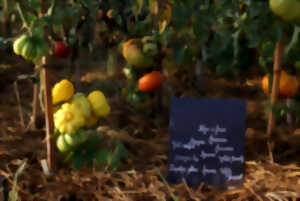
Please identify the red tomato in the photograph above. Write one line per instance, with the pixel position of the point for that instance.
(61, 49)
(150, 81)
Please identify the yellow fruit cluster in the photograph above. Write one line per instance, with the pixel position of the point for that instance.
(74, 112)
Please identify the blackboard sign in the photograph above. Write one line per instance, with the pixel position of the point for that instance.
(207, 141)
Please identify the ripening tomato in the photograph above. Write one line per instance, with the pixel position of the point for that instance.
(150, 81)
(288, 85)
(61, 49)
(111, 13)
(134, 56)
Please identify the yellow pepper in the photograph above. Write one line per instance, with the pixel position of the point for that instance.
(62, 91)
(68, 119)
(80, 101)
(99, 104)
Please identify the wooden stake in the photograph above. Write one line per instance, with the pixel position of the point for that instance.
(49, 118)
(5, 19)
(22, 122)
(48, 103)
(278, 53)
(35, 105)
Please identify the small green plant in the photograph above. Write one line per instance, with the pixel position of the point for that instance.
(13, 193)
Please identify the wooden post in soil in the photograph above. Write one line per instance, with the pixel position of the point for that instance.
(5, 19)
(35, 106)
(278, 53)
(48, 104)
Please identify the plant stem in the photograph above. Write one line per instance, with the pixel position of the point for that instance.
(278, 53)
(22, 15)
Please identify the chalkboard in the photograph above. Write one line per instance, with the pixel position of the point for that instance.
(207, 141)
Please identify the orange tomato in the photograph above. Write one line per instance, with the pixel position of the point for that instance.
(287, 88)
(150, 81)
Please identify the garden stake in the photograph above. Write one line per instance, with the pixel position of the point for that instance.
(276, 75)
(48, 117)
(48, 104)
(5, 19)
(35, 105)
(19, 105)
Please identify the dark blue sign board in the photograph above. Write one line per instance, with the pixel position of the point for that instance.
(207, 141)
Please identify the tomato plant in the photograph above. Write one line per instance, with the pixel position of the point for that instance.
(157, 39)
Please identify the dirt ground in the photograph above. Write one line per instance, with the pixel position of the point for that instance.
(141, 178)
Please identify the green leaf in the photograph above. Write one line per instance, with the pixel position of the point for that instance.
(121, 151)
(92, 143)
(179, 51)
(69, 157)
(200, 27)
(114, 162)
(35, 4)
(180, 16)
(78, 161)
(102, 156)
(173, 196)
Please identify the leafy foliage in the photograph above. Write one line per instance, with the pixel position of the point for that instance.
(108, 157)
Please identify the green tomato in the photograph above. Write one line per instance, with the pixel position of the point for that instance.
(134, 55)
(150, 49)
(286, 9)
(75, 140)
(31, 47)
(19, 43)
(62, 145)
(29, 50)
(148, 39)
